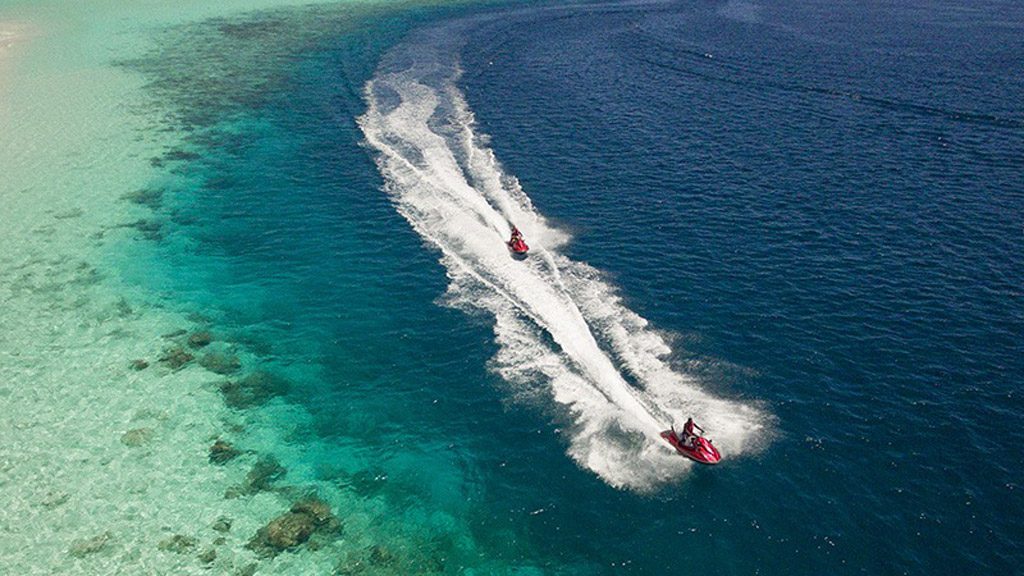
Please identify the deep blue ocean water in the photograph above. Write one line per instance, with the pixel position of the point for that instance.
(820, 206)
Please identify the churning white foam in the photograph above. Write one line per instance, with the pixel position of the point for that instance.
(560, 327)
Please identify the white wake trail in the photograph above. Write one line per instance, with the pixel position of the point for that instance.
(562, 331)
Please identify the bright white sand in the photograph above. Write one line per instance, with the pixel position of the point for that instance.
(69, 328)
(12, 36)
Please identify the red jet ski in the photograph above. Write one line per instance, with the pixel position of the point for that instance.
(698, 448)
(517, 245)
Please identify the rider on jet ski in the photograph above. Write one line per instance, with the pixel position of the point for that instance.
(691, 444)
(689, 437)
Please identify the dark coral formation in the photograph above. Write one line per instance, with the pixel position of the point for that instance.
(253, 390)
(150, 229)
(261, 477)
(179, 155)
(220, 363)
(124, 309)
(222, 524)
(222, 452)
(307, 517)
(179, 544)
(83, 548)
(284, 532)
(68, 214)
(150, 197)
(137, 437)
(320, 511)
(382, 556)
(174, 155)
(200, 339)
(265, 472)
(176, 357)
(208, 556)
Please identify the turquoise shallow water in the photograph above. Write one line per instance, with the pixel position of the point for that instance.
(816, 209)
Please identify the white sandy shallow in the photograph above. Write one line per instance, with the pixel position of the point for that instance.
(13, 35)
